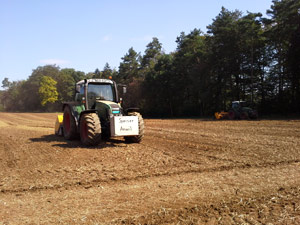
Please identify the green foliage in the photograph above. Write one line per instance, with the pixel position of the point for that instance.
(26, 96)
(11, 99)
(153, 50)
(1, 104)
(65, 84)
(6, 83)
(97, 73)
(159, 88)
(241, 57)
(190, 76)
(129, 67)
(31, 87)
(284, 71)
(47, 90)
(107, 71)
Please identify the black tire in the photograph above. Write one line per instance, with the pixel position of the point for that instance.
(253, 115)
(69, 124)
(136, 138)
(231, 115)
(244, 116)
(90, 129)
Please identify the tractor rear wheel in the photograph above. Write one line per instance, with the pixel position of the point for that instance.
(244, 116)
(136, 138)
(69, 125)
(90, 129)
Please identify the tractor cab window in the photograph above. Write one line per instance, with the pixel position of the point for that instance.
(244, 104)
(82, 89)
(101, 91)
(235, 105)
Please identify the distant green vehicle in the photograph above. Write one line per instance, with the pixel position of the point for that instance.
(96, 114)
(241, 110)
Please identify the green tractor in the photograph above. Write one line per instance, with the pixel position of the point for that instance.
(241, 110)
(96, 114)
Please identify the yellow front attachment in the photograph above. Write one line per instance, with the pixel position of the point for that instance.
(59, 124)
(221, 115)
(218, 116)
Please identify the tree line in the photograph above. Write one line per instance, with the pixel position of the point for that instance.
(240, 57)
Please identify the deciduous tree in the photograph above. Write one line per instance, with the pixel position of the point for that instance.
(47, 90)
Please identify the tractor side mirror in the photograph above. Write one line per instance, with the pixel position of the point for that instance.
(124, 89)
(77, 89)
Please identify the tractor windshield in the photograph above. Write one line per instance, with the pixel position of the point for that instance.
(239, 104)
(101, 91)
(244, 104)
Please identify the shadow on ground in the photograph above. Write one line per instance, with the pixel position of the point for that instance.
(59, 141)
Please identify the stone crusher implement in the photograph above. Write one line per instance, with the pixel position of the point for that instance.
(96, 114)
(221, 115)
(239, 110)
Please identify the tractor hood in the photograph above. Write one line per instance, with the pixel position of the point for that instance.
(247, 109)
(251, 112)
(107, 108)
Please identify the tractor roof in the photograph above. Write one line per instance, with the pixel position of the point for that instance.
(106, 81)
(238, 101)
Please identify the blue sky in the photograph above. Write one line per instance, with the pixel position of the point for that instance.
(84, 35)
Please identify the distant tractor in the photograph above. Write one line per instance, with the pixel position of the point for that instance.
(239, 110)
(96, 114)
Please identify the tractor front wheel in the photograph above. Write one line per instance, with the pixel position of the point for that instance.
(231, 115)
(90, 129)
(69, 125)
(253, 115)
(136, 138)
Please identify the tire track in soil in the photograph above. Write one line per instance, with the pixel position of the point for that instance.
(188, 151)
(124, 179)
(202, 154)
(96, 182)
(251, 210)
(24, 120)
(8, 155)
(191, 152)
(209, 146)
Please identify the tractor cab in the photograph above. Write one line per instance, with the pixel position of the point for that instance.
(241, 110)
(239, 104)
(91, 90)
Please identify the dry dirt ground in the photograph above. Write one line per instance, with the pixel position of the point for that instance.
(184, 172)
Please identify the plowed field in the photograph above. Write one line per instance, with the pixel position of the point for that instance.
(184, 172)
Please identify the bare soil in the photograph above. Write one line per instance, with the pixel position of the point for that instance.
(185, 171)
